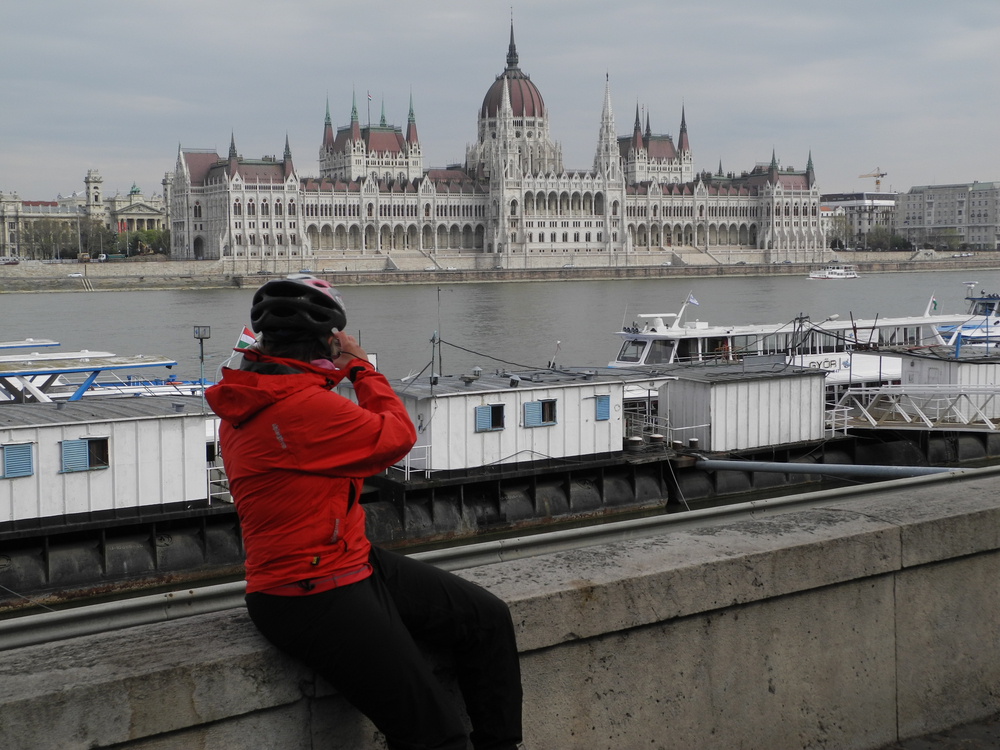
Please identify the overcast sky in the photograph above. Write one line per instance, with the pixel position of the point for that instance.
(910, 86)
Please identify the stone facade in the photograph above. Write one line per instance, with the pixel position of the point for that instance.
(512, 198)
(935, 214)
(119, 213)
(862, 213)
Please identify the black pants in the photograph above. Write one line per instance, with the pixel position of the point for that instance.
(361, 639)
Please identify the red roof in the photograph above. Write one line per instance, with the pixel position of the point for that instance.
(525, 99)
(199, 163)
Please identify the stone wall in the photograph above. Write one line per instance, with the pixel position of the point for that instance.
(850, 625)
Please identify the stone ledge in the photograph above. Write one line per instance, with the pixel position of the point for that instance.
(147, 684)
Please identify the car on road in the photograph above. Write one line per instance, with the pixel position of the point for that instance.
(75, 275)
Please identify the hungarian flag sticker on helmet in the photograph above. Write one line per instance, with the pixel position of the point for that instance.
(246, 339)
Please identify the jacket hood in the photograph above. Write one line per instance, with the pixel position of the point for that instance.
(243, 393)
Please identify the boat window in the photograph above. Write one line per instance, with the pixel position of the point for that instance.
(631, 351)
(15, 460)
(489, 418)
(659, 352)
(687, 349)
(85, 454)
(540, 413)
(774, 343)
(827, 342)
(718, 347)
(744, 345)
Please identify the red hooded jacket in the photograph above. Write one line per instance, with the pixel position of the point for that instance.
(292, 451)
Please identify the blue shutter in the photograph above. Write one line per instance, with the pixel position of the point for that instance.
(533, 414)
(17, 460)
(483, 419)
(602, 406)
(74, 455)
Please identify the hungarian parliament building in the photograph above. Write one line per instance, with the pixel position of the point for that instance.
(511, 197)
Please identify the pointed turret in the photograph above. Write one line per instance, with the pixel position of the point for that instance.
(381, 121)
(607, 156)
(287, 158)
(327, 128)
(232, 147)
(411, 124)
(810, 172)
(682, 138)
(719, 173)
(649, 130)
(637, 131)
(774, 162)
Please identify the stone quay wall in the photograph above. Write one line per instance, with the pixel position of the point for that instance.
(854, 624)
(457, 267)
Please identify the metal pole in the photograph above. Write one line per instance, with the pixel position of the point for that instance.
(836, 470)
(201, 358)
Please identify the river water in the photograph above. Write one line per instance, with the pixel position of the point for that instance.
(520, 323)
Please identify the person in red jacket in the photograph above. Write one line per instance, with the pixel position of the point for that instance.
(296, 454)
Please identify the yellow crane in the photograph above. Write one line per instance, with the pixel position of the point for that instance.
(878, 174)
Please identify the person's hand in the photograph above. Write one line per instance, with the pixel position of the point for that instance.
(349, 350)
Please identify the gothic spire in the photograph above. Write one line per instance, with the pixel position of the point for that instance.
(682, 138)
(411, 124)
(232, 147)
(288, 150)
(809, 166)
(607, 141)
(649, 132)
(774, 161)
(381, 121)
(354, 106)
(328, 121)
(512, 49)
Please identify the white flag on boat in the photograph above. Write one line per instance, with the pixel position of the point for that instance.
(691, 299)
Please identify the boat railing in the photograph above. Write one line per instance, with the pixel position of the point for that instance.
(644, 425)
(838, 419)
(218, 483)
(417, 460)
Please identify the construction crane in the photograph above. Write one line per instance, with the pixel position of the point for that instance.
(878, 174)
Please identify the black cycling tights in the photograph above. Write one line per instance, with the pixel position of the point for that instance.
(361, 639)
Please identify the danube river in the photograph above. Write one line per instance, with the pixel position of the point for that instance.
(516, 322)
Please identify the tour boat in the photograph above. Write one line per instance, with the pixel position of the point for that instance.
(848, 350)
(835, 272)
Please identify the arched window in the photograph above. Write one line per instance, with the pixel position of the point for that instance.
(237, 208)
(291, 208)
(614, 208)
(251, 209)
(277, 208)
(264, 209)
(371, 209)
(197, 210)
(513, 208)
(427, 209)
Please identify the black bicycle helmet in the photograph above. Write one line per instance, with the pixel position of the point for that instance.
(299, 306)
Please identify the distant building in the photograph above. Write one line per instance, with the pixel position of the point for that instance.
(512, 197)
(119, 213)
(943, 215)
(861, 212)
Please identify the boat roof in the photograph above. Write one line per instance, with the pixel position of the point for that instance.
(27, 343)
(454, 385)
(61, 363)
(98, 410)
(696, 328)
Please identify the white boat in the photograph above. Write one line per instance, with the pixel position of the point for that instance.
(835, 271)
(981, 327)
(848, 350)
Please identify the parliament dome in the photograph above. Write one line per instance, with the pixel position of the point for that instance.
(525, 99)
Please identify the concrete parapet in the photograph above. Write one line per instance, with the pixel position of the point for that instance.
(850, 625)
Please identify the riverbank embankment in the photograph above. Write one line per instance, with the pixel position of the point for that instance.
(139, 275)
